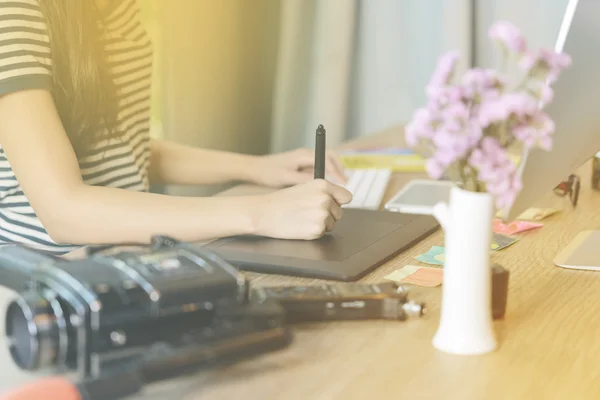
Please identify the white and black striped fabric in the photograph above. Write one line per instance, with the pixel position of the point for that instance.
(26, 63)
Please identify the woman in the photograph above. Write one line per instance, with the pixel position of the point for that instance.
(76, 159)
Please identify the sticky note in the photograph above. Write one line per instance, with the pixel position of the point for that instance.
(500, 242)
(434, 256)
(415, 275)
(536, 214)
(514, 227)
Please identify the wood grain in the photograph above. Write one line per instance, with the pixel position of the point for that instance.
(548, 339)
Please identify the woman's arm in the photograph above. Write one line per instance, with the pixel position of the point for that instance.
(72, 212)
(172, 163)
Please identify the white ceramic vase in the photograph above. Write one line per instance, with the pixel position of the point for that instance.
(466, 323)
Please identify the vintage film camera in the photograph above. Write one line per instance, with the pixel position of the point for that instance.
(129, 317)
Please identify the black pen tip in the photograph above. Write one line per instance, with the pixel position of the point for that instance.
(320, 129)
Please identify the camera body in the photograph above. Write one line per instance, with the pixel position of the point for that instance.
(168, 304)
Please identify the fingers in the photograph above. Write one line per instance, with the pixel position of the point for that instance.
(304, 158)
(335, 210)
(329, 224)
(334, 168)
(339, 194)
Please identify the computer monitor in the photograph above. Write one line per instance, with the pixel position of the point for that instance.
(575, 108)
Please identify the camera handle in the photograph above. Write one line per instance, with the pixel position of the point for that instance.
(157, 242)
(18, 264)
(117, 384)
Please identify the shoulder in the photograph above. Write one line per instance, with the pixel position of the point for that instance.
(21, 15)
(16, 7)
(25, 53)
(22, 23)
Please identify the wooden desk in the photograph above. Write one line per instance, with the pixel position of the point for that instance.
(549, 340)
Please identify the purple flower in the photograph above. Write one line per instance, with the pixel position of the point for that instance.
(434, 168)
(528, 60)
(548, 62)
(420, 127)
(554, 63)
(496, 171)
(474, 132)
(457, 111)
(482, 83)
(492, 111)
(546, 94)
(443, 96)
(536, 131)
(443, 72)
(508, 35)
(518, 105)
(452, 145)
(470, 120)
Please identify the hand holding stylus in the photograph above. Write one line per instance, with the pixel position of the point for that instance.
(305, 211)
(293, 168)
(301, 165)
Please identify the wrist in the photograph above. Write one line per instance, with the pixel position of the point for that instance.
(250, 167)
(253, 168)
(254, 212)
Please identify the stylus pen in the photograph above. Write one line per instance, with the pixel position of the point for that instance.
(320, 153)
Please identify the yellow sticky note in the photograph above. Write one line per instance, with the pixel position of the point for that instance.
(396, 163)
(536, 214)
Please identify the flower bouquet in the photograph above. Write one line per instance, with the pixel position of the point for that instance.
(469, 125)
(466, 132)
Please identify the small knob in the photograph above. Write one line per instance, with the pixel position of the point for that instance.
(118, 338)
(413, 309)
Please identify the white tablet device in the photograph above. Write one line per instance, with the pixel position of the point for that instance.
(419, 196)
(582, 253)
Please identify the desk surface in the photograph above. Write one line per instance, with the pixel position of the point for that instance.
(548, 349)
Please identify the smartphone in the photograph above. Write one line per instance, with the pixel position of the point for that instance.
(419, 196)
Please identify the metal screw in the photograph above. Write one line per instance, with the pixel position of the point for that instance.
(118, 338)
(129, 284)
(413, 309)
(402, 290)
(102, 288)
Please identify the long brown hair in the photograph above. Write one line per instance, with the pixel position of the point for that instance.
(84, 90)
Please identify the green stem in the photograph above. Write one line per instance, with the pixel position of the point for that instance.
(461, 170)
(504, 60)
(475, 180)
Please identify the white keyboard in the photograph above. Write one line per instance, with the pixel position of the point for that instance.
(367, 187)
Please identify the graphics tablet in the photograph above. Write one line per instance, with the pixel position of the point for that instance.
(361, 241)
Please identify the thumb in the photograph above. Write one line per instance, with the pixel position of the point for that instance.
(340, 194)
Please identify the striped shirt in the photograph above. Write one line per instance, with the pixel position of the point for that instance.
(26, 63)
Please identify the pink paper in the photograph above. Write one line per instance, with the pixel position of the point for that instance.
(514, 227)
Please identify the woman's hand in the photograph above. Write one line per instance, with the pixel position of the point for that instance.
(306, 211)
(293, 168)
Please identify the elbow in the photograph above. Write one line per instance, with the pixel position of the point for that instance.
(62, 223)
(59, 230)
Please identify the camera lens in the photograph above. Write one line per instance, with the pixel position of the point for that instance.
(36, 331)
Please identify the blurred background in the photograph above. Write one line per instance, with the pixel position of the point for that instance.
(258, 76)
